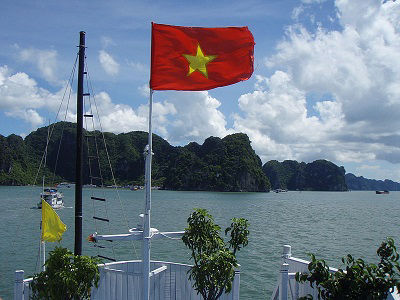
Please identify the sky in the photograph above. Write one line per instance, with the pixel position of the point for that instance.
(326, 83)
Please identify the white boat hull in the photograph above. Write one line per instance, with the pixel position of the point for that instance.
(52, 197)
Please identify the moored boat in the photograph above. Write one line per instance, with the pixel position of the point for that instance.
(382, 192)
(53, 197)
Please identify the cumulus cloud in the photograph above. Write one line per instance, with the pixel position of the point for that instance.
(23, 99)
(355, 71)
(179, 117)
(278, 123)
(44, 60)
(197, 117)
(30, 116)
(108, 63)
(118, 118)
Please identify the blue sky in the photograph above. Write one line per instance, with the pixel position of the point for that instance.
(326, 83)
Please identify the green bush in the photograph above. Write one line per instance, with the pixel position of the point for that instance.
(214, 260)
(359, 280)
(66, 276)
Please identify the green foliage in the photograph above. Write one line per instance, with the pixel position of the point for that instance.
(66, 277)
(319, 175)
(214, 260)
(228, 164)
(359, 280)
(239, 234)
(360, 183)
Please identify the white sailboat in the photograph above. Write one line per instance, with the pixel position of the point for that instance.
(53, 197)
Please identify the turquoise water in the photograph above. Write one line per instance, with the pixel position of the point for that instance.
(326, 223)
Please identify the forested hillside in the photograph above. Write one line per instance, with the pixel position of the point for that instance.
(319, 175)
(361, 183)
(228, 164)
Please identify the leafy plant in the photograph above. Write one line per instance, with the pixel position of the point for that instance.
(214, 260)
(66, 276)
(359, 280)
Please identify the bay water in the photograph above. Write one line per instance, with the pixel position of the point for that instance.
(329, 224)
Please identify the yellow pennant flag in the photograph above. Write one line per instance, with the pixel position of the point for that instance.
(52, 226)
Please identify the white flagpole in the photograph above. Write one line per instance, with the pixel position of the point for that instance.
(146, 225)
(44, 254)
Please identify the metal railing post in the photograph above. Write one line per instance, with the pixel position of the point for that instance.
(19, 285)
(284, 282)
(236, 285)
(287, 252)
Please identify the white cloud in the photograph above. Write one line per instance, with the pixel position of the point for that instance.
(356, 72)
(110, 66)
(21, 97)
(44, 60)
(119, 118)
(278, 123)
(196, 117)
(19, 91)
(181, 118)
(30, 116)
(297, 11)
(144, 90)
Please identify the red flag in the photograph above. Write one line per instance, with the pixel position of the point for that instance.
(197, 58)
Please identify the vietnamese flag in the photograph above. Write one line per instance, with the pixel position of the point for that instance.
(198, 58)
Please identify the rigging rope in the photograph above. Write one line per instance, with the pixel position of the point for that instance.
(65, 118)
(68, 87)
(92, 95)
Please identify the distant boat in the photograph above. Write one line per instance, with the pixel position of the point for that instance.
(382, 192)
(52, 197)
(65, 184)
(280, 191)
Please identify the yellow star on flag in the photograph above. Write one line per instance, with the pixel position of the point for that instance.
(199, 62)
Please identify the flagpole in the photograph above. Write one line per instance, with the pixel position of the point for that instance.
(44, 254)
(146, 226)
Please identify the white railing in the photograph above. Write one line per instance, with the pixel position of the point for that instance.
(123, 280)
(289, 288)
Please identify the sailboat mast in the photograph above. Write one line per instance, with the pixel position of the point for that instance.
(146, 225)
(79, 148)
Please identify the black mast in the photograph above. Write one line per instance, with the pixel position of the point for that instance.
(79, 148)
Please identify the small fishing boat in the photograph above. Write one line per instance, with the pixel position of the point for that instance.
(53, 197)
(382, 192)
